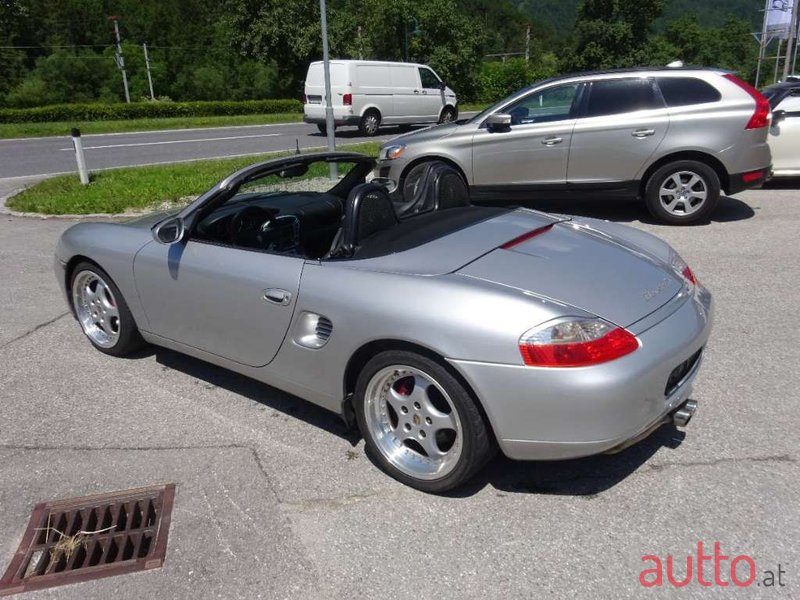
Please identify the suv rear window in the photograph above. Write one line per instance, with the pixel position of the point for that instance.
(617, 96)
(682, 91)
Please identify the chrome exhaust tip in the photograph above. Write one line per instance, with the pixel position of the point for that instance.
(684, 413)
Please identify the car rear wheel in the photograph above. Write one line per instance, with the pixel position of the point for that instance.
(370, 123)
(682, 192)
(323, 128)
(448, 115)
(419, 423)
(102, 312)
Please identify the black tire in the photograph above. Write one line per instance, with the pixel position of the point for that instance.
(448, 115)
(370, 123)
(476, 440)
(323, 128)
(682, 172)
(128, 339)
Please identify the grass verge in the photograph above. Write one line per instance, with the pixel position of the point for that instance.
(472, 107)
(138, 188)
(23, 130)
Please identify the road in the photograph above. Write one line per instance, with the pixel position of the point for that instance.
(275, 499)
(54, 155)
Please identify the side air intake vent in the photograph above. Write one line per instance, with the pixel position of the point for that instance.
(324, 328)
(312, 330)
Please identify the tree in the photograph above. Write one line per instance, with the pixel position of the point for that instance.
(728, 47)
(612, 33)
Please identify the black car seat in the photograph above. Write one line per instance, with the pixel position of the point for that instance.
(367, 210)
(439, 187)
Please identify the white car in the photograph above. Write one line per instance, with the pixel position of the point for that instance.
(784, 134)
(369, 94)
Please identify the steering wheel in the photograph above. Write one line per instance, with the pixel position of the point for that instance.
(246, 225)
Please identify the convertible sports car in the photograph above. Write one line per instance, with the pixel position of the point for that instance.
(442, 330)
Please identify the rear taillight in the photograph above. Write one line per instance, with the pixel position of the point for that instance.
(347, 99)
(762, 112)
(683, 269)
(575, 343)
(305, 99)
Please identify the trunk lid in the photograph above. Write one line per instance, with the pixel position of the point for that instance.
(574, 265)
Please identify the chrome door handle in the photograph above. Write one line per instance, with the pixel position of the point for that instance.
(277, 296)
(552, 141)
(641, 133)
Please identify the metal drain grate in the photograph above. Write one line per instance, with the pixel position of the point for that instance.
(73, 540)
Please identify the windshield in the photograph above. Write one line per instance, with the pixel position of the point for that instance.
(487, 111)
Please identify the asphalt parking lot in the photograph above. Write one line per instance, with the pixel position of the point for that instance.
(275, 499)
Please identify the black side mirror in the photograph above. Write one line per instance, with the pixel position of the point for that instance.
(778, 116)
(168, 231)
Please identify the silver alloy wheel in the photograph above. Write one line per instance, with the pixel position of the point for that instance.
(96, 308)
(413, 422)
(371, 123)
(683, 193)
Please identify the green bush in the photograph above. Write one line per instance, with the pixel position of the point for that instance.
(145, 110)
(497, 80)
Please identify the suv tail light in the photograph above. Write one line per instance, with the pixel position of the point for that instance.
(305, 99)
(574, 342)
(763, 110)
(347, 99)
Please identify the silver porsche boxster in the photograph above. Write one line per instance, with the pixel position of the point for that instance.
(442, 330)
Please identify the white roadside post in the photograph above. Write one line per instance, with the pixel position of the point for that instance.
(326, 67)
(76, 143)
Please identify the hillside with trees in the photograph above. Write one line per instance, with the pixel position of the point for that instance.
(57, 52)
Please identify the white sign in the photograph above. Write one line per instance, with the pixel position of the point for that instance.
(779, 18)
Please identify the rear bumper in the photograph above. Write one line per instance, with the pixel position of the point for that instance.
(315, 113)
(739, 182)
(550, 414)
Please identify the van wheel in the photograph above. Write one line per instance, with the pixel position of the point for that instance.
(323, 128)
(682, 192)
(370, 123)
(448, 115)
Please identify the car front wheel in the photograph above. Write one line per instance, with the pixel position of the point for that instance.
(682, 192)
(102, 312)
(419, 423)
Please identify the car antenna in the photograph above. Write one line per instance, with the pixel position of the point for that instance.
(296, 146)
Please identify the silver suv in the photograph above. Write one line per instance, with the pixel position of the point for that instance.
(673, 137)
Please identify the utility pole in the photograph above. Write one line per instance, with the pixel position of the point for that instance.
(360, 47)
(787, 63)
(777, 61)
(527, 43)
(120, 60)
(330, 127)
(762, 42)
(147, 66)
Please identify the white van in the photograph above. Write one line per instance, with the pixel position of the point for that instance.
(369, 94)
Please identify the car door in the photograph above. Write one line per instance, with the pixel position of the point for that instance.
(784, 135)
(534, 150)
(405, 93)
(621, 124)
(431, 96)
(231, 302)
